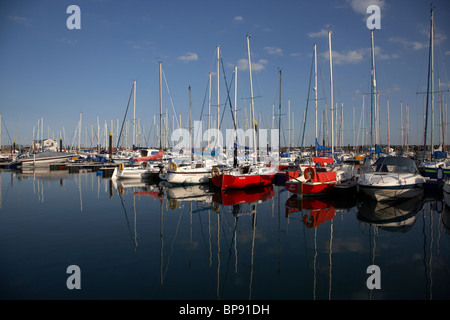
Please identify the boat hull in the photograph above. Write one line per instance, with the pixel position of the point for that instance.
(44, 160)
(188, 177)
(321, 183)
(436, 173)
(131, 173)
(231, 181)
(382, 187)
(310, 188)
(392, 192)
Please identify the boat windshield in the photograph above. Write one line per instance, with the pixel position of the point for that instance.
(394, 164)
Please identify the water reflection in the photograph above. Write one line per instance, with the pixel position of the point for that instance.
(317, 210)
(390, 215)
(246, 244)
(236, 198)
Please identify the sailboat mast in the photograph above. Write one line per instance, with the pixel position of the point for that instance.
(190, 126)
(315, 84)
(441, 112)
(235, 96)
(134, 112)
(218, 97)
(432, 82)
(388, 127)
(251, 94)
(279, 120)
(160, 107)
(428, 87)
(79, 133)
(373, 90)
(331, 92)
(209, 107)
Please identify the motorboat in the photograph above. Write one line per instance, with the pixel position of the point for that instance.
(392, 177)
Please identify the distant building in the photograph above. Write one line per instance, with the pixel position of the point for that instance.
(49, 144)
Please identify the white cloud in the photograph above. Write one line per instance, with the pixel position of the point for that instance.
(238, 19)
(189, 56)
(384, 56)
(439, 37)
(274, 51)
(349, 57)
(256, 66)
(18, 19)
(360, 6)
(357, 56)
(413, 45)
(319, 34)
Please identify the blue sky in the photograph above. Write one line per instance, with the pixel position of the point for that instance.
(51, 72)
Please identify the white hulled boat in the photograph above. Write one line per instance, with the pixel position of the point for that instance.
(42, 159)
(392, 178)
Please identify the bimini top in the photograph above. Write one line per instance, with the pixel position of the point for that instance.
(394, 164)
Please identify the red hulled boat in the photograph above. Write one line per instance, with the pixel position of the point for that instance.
(313, 182)
(249, 176)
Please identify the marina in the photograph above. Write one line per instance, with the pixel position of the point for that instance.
(138, 240)
(265, 188)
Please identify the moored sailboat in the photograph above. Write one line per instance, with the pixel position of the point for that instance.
(249, 175)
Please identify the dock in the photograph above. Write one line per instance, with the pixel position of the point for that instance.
(106, 169)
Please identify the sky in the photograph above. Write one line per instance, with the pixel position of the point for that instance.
(54, 73)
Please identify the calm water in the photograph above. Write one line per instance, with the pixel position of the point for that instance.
(135, 242)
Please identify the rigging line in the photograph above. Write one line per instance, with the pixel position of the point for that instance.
(9, 137)
(307, 103)
(170, 96)
(172, 244)
(126, 111)
(321, 80)
(149, 133)
(204, 100)
(126, 214)
(201, 114)
(228, 95)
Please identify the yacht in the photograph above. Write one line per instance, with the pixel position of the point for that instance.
(390, 178)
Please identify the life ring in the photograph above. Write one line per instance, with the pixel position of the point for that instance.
(215, 171)
(309, 173)
(121, 166)
(173, 166)
(440, 174)
(308, 221)
(173, 204)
